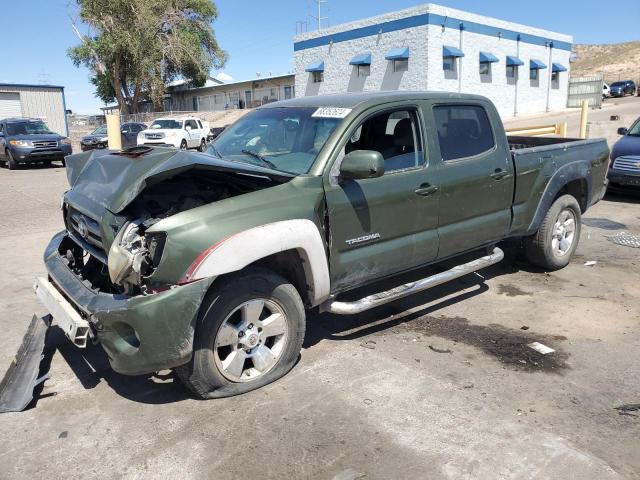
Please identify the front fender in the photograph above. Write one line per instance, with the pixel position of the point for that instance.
(246, 247)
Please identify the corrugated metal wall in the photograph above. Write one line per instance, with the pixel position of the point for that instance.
(42, 102)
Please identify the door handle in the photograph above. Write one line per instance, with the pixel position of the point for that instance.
(425, 190)
(498, 174)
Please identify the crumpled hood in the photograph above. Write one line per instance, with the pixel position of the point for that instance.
(113, 180)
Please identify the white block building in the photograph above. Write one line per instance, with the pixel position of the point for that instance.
(521, 69)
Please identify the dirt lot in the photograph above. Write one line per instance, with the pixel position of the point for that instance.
(441, 385)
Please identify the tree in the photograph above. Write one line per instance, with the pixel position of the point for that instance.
(135, 47)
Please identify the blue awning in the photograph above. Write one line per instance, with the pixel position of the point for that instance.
(486, 57)
(448, 51)
(514, 62)
(536, 64)
(558, 67)
(315, 67)
(398, 54)
(362, 59)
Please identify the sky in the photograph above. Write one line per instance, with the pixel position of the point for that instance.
(258, 34)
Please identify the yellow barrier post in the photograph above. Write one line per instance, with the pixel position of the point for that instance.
(562, 129)
(113, 132)
(583, 118)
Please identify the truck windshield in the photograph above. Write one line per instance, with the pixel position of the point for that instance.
(101, 130)
(29, 127)
(282, 138)
(166, 124)
(634, 131)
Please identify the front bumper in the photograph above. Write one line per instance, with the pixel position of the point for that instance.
(151, 143)
(140, 334)
(92, 146)
(623, 179)
(31, 154)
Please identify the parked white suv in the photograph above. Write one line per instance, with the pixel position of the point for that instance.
(180, 133)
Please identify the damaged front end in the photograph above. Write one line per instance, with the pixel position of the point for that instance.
(110, 269)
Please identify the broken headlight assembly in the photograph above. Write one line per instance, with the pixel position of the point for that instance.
(134, 255)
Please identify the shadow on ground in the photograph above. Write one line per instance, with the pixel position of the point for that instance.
(418, 314)
(91, 367)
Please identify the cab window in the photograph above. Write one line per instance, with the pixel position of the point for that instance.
(463, 131)
(395, 134)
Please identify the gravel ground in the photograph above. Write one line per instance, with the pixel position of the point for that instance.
(441, 385)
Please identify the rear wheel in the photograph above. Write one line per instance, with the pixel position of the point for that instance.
(11, 162)
(557, 238)
(249, 334)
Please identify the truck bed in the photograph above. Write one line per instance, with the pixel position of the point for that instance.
(537, 159)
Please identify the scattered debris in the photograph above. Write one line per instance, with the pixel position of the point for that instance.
(369, 344)
(590, 263)
(524, 327)
(468, 385)
(440, 350)
(541, 348)
(627, 409)
(367, 401)
(625, 239)
(64, 434)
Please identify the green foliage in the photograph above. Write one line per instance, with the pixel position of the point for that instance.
(137, 46)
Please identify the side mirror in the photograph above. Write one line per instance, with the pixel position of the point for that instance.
(622, 131)
(187, 128)
(361, 164)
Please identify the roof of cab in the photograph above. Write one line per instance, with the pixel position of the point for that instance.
(352, 100)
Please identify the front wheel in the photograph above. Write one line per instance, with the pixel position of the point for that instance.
(11, 162)
(556, 240)
(249, 334)
(183, 145)
(203, 145)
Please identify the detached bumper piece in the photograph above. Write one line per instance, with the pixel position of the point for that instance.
(16, 388)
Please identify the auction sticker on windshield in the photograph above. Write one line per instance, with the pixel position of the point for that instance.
(331, 112)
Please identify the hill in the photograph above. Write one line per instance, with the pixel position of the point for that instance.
(617, 61)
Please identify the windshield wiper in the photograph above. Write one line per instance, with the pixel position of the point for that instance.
(261, 158)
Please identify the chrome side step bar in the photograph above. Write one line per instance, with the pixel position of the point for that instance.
(377, 299)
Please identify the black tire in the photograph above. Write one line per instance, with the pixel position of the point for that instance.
(11, 162)
(202, 375)
(183, 145)
(203, 145)
(540, 249)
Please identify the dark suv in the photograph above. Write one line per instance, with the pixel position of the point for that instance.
(29, 140)
(98, 138)
(623, 88)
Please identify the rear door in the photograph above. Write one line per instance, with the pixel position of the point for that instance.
(380, 226)
(475, 176)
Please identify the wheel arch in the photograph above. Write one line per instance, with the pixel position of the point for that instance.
(573, 179)
(292, 248)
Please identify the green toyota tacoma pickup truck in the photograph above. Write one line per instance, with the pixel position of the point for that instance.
(207, 262)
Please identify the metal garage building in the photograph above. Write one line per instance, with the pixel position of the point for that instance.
(46, 102)
(522, 69)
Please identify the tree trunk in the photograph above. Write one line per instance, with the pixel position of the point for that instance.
(116, 76)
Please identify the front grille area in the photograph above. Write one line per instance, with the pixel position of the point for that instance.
(45, 144)
(627, 164)
(85, 231)
(154, 136)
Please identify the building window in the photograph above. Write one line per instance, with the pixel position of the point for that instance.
(449, 64)
(318, 77)
(511, 71)
(555, 77)
(364, 70)
(485, 68)
(287, 92)
(401, 65)
(534, 74)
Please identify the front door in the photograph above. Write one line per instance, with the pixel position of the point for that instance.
(475, 176)
(248, 98)
(384, 225)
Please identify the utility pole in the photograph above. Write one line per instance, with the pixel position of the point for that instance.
(319, 17)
